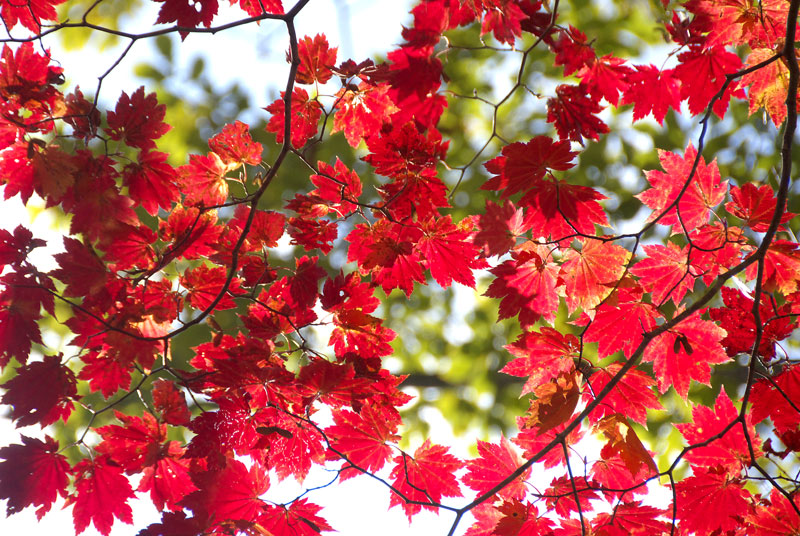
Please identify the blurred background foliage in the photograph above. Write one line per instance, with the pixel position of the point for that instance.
(449, 342)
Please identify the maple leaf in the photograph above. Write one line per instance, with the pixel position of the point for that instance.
(337, 185)
(631, 518)
(228, 494)
(255, 8)
(756, 206)
(735, 22)
(448, 252)
(684, 353)
(504, 21)
(152, 182)
(533, 443)
(605, 77)
(665, 273)
(523, 164)
(316, 60)
(613, 476)
(591, 274)
(362, 438)
(80, 269)
(498, 228)
(168, 400)
(558, 211)
(299, 519)
(517, 518)
(389, 252)
(702, 74)
(53, 174)
(541, 356)
(705, 191)
(32, 474)
(361, 111)
(573, 113)
(781, 264)
(265, 230)
(30, 14)
(632, 396)
(427, 477)
(652, 91)
(101, 494)
(186, 14)
(769, 85)
(711, 501)
(221, 433)
(775, 516)
(737, 319)
(621, 326)
(555, 402)
(495, 463)
(235, 146)
(41, 392)
(776, 398)
(526, 286)
(573, 50)
(204, 284)
(135, 444)
(622, 441)
(138, 120)
(560, 496)
(293, 445)
(202, 180)
(14, 249)
(732, 450)
(305, 114)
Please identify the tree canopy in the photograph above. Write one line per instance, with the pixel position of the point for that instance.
(565, 226)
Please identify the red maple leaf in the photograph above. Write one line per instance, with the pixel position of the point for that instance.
(30, 13)
(495, 463)
(228, 494)
(573, 50)
(32, 474)
(573, 112)
(705, 191)
(592, 273)
(685, 352)
(362, 438)
(523, 164)
(138, 120)
(769, 85)
(204, 284)
(526, 285)
(151, 182)
(305, 114)
(560, 496)
(299, 519)
(732, 450)
(499, 227)
(14, 249)
(361, 111)
(448, 252)
(389, 252)
(169, 401)
(621, 326)
(606, 77)
(652, 91)
(665, 273)
(80, 269)
(254, 8)
(737, 319)
(293, 446)
(756, 206)
(711, 501)
(781, 264)
(736, 22)
(503, 20)
(316, 60)
(774, 516)
(235, 146)
(202, 180)
(42, 392)
(632, 396)
(101, 494)
(702, 74)
(337, 185)
(557, 210)
(517, 518)
(777, 398)
(427, 477)
(541, 356)
(631, 518)
(187, 13)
